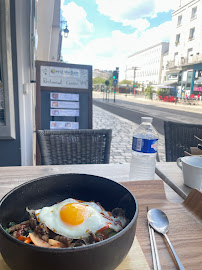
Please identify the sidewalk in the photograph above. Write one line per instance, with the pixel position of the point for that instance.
(122, 132)
(142, 100)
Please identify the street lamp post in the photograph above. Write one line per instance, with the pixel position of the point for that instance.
(64, 30)
(134, 69)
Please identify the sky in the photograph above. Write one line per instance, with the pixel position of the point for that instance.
(103, 33)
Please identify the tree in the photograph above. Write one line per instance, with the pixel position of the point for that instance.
(149, 91)
(163, 92)
(99, 80)
(126, 82)
(110, 80)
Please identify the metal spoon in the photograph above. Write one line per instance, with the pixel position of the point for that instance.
(159, 221)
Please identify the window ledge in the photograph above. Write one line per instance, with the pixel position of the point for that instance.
(193, 18)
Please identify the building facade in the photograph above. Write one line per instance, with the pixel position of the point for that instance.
(146, 66)
(185, 50)
(24, 37)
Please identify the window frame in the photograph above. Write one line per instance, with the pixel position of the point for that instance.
(7, 131)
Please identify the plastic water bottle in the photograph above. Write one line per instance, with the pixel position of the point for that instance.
(144, 149)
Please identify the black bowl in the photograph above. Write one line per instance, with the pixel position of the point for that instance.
(104, 255)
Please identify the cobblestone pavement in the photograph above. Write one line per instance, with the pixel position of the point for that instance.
(122, 132)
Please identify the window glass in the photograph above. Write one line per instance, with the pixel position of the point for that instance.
(191, 33)
(193, 12)
(179, 20)
(177, 40)
(189, 80)
(7, 115)
(1, 98)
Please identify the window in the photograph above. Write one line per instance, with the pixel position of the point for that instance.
(176, 58)
(191, 33)
(1, 99)
(193, 12)
(177, 40)
(189, 55)
(189, 80)
(179, 20)
(7, 117)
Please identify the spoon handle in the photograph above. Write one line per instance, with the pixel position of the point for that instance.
(174, 253)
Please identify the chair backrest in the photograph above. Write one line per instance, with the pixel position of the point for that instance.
(83, 146)
(179, 137)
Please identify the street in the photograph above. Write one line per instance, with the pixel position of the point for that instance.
(133, 110)
(124, 116)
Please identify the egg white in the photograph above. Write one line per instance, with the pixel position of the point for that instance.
(96, 218)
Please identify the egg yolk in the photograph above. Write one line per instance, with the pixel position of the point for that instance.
(73, 213)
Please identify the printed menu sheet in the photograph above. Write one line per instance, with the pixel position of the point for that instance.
(64, 112)
(64, 104)
(64, 77)
(64, 96)
(64, 125)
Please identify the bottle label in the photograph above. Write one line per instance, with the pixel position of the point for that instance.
(144, 145)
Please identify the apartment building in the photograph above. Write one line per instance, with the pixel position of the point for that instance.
(102, 73)
(185, 50)
(146, 66)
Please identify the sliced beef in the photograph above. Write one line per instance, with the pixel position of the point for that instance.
(65, 240)
(17, 227)
(33, 223)
(42, 231)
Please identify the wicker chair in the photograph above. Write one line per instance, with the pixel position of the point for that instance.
(84, 146)
(179, 137)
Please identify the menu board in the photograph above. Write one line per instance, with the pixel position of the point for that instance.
(63, 97)
(64, 77)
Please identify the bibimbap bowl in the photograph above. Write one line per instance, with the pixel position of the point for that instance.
(46, 191)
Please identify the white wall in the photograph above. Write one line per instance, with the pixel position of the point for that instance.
(48, 32)
(23, 64)
(48, 28)
(149, 63)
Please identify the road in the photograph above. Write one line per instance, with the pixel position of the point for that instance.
(133, 111)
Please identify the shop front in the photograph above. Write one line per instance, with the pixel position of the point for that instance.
(197, 85)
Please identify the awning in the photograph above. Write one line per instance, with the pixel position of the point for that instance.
(162, 86)
(170, 82)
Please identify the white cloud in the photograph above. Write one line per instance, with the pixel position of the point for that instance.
(128, 11)
(110, 52)
(78, 25)
(139, 24)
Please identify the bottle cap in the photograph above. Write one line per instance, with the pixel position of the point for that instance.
(146, 119)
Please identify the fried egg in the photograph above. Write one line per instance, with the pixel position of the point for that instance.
(75, 219)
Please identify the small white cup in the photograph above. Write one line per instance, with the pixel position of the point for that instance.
(191, 167)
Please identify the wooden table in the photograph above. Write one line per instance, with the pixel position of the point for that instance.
(153, 196)
(11, 177)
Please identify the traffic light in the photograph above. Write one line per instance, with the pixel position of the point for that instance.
(115, 75)
(107, 82)
(135, 85)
